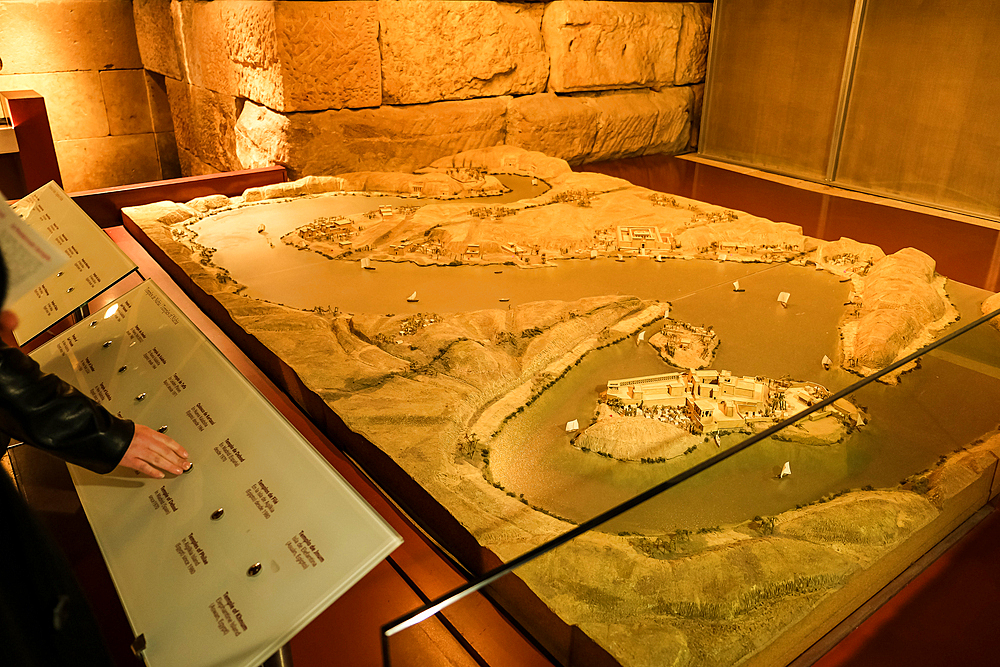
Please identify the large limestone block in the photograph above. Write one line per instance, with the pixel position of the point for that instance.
(192, 165)
(611, 45)
(697, 103)
(692, 44)
(74, 101)
(127, 101)
(203, 124)
(388, 138)
(434, 50)
(166, 152)
(289, 56)
(66, 36)
(590, 128)
(104, 162)
(159, 104)
(157, 36)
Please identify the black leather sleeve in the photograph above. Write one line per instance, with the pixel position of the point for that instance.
(42, 410)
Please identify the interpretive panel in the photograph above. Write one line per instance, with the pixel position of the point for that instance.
(29, 258)
(225, 563)
(95, 262)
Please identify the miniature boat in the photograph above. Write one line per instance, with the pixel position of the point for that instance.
(642, 337)
(783, 299)
(504, 299)
(367, 264)
(827, 362)
(593, 254)
(718, 442)
(572, 425)
(620, 258)
(659, 258)
(785, 471)
(498, 272)
(413, 297)
(260, 230)
(736, 286)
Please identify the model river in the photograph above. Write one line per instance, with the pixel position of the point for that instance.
(946, 404)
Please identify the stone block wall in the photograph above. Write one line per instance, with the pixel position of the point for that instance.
(329, 87)
(109, 116)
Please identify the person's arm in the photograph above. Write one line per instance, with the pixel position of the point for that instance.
(44, 411)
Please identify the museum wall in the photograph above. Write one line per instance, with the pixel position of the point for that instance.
(391, 85)
(109, 116)
(892, 97)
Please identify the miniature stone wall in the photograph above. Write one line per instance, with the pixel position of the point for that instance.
(109, 116)
(330, 87)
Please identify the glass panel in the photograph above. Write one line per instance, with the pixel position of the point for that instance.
(95, 262)
(774, 83)
(771, 541)
(921, 123)
(224, 564)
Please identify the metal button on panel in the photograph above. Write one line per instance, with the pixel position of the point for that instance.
(123, 369)
(94, 323)
(217, 514)
(162, 429)
(69, 290)
(140, 396)
(188, 469)
(254, 570)
(107, 343)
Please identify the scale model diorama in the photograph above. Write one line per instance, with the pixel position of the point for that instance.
(524, 392)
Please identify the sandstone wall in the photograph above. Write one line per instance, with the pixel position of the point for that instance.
(109, 116)
(387, 85)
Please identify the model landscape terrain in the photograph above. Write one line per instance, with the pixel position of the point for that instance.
(440, 392)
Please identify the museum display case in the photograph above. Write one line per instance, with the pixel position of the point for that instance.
(497, 402)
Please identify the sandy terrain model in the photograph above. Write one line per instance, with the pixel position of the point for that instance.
(434, 391)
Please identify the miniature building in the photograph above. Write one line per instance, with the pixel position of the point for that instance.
(711, 399)
(637, 239)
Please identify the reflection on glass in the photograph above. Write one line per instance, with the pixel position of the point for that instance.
(716, 592)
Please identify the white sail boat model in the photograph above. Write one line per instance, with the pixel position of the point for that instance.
(827, 362)
(413, 297)
(593, 254)
(783, 299)
(572, 425)
(786, 471)
(642, 337)
(736, 286)
(367, 264)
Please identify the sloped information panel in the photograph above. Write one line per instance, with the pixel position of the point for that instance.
(95, 262)
(225, 563)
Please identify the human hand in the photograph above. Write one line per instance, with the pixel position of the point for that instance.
(152, 452)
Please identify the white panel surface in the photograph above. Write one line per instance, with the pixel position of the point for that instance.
(95, 262)
(29, 258)
(182, 575)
